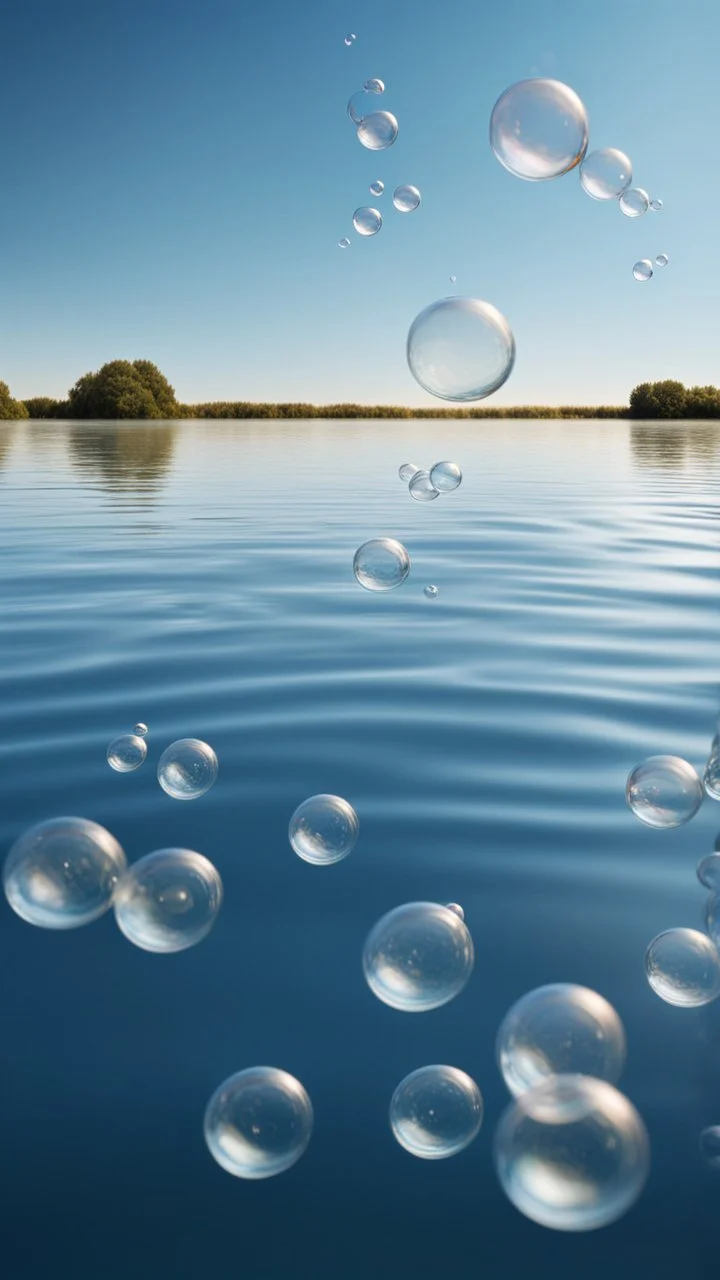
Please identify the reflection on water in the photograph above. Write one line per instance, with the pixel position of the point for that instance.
(7, 436)
(673, 445)
(130, 456)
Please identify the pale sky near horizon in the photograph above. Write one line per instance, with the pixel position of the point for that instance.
(177, 178)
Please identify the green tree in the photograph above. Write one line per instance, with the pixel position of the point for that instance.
(46, 407)
(123, 389)
(658, 400)
(702, 402)
(10, 409)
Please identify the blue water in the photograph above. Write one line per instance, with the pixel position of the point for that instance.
(198, 577)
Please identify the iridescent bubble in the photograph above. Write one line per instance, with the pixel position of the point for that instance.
(344, 243)
(460, 349)
(366, 221)
(605, 173)
(418, 957)
(572, 1154)
(643, 269)
(456, 908)
(436, 1112)
(661, 260)
(711, 776)
(406, 199)
(539, 129)
(656, 205)
(407, 471)
(374, 85)
(168, 900)
(381, 564)
(258, 1122)
(422, 488)
(708, 872)
(664, 791)
(350, 38)
(323, 830)
(634, 202)
(683, 967)
(141, 730)
(62, 873)
(560, 1029)
(446, 476)
(378, 130)
(187, 769)
(710, 1146)
(359, 104)
(126, 752)
(377, 187)
(432, 594)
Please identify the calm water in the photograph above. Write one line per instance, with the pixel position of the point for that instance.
(198, 577)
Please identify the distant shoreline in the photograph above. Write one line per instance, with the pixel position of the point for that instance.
(247, 411)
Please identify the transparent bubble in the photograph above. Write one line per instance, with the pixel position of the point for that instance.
(683, 967)
(406, 199)
(436, 1112)
(656, 205)
(572, 1154)
(344, 243)
(350, 38)
(661, 260)
(381, 564)
(708, 872)
(605, 173)
(418, 957)
(710, 1146)
(62, 873)
(359, 104)
(141, 729)
(377, 187)
(168, 900)
(187, 769)
(407, 471)
(374, 85)
(378, 130)
(446, 476)
(366, 221)
(711, 776)
(560, 1029)
(634, 202)
(422, 488)
(643, 269)
(456, 908)
(258, 1123)
(539, 129)
(126, 752)
(323, 830)
(460, 349)
(453, 279)
(432, 594)
(664, 791)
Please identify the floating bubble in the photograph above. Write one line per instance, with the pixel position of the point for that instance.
(453, 279)
(634, 202)
(141, 729)
(446, 476)
(344, 243)
(664, 791)
(710, 1146)
(572, 1154)
(432, 593)
(460, 349)
(661, 260)
(350, 38)
(418, 957)
(258, 1123)
(366, 221)
(456, 909)
(683, 967)
(359, 104)
(422, 488)
(187, 769)
(381, 564)
(436, 1112)
(126, 752)
(560, 1029)
(62, 873)
(656, 205)
(374, 85)
(168, 900)
(708, 872)
(377, 187)
(643, 269)
(406, 199)
(605, 173)
(539, 129)
(407, 471)
(711, 776)
(323, 830)
(378, 130)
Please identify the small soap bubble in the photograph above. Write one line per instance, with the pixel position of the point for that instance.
(126, 752)
(418, 957)
(258, 1123)
(710, 1146)
(431, 592)
(711, 776)
(323, 830)
(456, 908)
(350, 38)
(422, 488)
(446, 476)
(656, 205)
(683, 967)
(460, 349)
(664, 791)
(187, 769)
(453, 279)
(436, 1112)
(377, 187)
(643, 269)
(708, 872)
(406, 199)
(344, 243)
(605, 173)
(560, 1029)
(539, 129)
(359, 104)
(378, 130)
(366, 221)
(141, 730)
(634, 202)
(62, 873)
(168, 900)
(661, 260)
(374, 85)
(572, 1154)
(381, 564)
(407, 471)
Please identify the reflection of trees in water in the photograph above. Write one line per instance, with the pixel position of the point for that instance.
(7, 436)
(127, 457)
(674, 445)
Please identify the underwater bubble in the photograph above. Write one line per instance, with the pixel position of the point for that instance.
(258, 1122)
(366, 221)
(539, 129)
(377, 187)
(62, 873)
(373, 85)
(187, 769)
(418, 957)
(634, 202)
(572, 1153)
(141, 730)
(350, 38)
(446, 476)
(664, 791)
(661, 260)
(605, 173)
(710, 1146)
(407, 471)
(683, 967)
(168, 900)
(436, 1112)
(460, 349)
(431, 592)
(560, 1029)
(711, 775)
(378, 130)
(656, 205)
(422, 488)
(126, 752)
(381, 564)
(708, 872)
(643, 269)
(406, 199)
(359, 104)
(323, 830)
(344, 243)
(456, 908)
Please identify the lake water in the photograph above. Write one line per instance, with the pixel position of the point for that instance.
(198, 576)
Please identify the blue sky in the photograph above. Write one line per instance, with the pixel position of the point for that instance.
(177, 177)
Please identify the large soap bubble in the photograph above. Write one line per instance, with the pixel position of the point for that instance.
(62, 873)
(710, 1145)
(323, 829)
(418, 957)
(187, 769)
(683, 967)
(664, 791)
(460, 349)
(643, 269)
(406, 199)
(560, 1029)
(421, 487)
(436, 1112)
(126, 752)
(367, 221)
(539, 129)
(168, 900)
(258, 1122)
(711, 776)
(708, 872)
(378, 130)
(605, 173)
(446, 476)
(381, 564)
(634, 202)
(572, 1154)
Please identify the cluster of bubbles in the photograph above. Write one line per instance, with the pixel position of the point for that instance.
(643, 269)
(186, 769)
(425, 486)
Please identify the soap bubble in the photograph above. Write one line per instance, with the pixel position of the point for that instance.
(460, 349)
(406, 199)
(366, 221)
(358, 105)
(126, 752)
(572, 1154)
(350, 39)
(422, 488)
(560, 1029)
(656, 205)
(683, 967)
(374, 85)
(664, 791)
(605, 173)
(710, 1146)
(258, 1122)
(168, 900)
(62, 873)
(378, 130)
(344, 243)
(377, 187)
(432, 593)
(453, 279)
(539, 129)
(456, 909)
(187, 769)
(381, 564)
(323, 830)
(711, 776)
(446, 476)
(643, 269)
(407, 471)
(661, 260)
(436, 1112)
(634, 202)
(141, 729)
(418, 957)
(708, 872)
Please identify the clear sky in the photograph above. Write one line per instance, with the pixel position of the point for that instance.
(177, 177)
